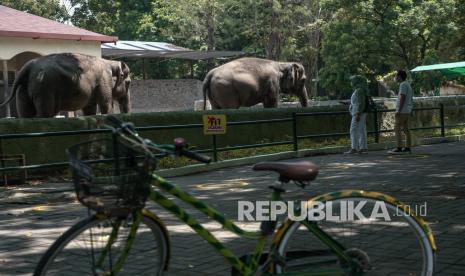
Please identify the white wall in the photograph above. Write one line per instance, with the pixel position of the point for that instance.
(11, 46)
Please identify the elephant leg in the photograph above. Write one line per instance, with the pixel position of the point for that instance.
(89, 109)
(214, 104)
(45, 106)
(270, 102)
(271, 98)
(104, 100)
(106, 108)
(24, 105)
(46, 112)
(303, 97)
(124, 105)
(229, 99)
(223, 96)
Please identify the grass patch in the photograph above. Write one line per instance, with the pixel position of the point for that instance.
(171, 162)
(311, 143)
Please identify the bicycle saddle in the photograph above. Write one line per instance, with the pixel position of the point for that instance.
(298, 171)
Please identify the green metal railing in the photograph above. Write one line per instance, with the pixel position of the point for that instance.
(214, 150)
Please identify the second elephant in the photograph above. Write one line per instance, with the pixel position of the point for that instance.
(249, 81)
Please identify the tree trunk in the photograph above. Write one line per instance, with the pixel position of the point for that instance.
(273, 49)
(210, 24)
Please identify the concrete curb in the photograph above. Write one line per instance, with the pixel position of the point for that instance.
(292, 154)
(225, 164)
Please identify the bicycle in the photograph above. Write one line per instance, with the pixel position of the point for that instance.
(121, 237)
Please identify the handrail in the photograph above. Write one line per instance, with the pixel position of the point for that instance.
(215, 149)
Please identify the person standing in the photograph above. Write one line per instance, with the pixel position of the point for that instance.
(358, 133)
(404, 105)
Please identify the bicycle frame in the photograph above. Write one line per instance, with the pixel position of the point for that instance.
(245, 269)
(250, 265)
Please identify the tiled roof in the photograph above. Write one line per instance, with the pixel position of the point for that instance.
(14, 23)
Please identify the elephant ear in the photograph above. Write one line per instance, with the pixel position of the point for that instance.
(289, 74)
(125, 69)
(116, 71)
(119, 72)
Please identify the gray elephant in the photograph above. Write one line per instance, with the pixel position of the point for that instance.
(69, 82)
(249, 81)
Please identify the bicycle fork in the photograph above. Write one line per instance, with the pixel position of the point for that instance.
(114, 269)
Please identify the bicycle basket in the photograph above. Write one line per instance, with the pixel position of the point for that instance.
(109, 177)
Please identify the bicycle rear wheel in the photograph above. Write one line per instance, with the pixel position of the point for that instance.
(379, 247)
(77, 250)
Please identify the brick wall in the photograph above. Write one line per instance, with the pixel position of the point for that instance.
(452, 89)
(165, 95)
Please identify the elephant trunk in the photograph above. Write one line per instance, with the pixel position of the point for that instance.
(125, 103)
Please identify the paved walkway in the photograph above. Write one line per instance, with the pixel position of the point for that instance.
(33, 216)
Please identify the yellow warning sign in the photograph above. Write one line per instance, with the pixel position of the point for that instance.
(214, 124)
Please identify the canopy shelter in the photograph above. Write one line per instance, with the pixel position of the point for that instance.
(145, 49)
(448, 69)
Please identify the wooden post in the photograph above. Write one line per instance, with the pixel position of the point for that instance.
(191, 63)
(294, 132)
(144, 69)
(441, 113)
(5, 87)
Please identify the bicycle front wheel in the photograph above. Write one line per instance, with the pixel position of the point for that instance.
(77, 251)
(397, 245)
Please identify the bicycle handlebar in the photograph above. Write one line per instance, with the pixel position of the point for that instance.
(128, 128)
(196, 156)
(114, 122)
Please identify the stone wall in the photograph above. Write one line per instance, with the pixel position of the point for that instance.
(452, 89)
(181, 94)
(165, 95)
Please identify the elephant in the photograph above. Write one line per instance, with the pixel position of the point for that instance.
(68, 82)
(249, 81)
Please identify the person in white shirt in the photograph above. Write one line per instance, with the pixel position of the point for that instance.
(404, 107)
(358, 132)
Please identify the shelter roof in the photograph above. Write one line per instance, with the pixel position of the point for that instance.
(450, 69)
(145, 49)
(14, 23)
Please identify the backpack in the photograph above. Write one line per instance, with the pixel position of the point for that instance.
(370, 105)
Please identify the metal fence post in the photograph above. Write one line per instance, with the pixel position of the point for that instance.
(294, 131)
(441, 114)
(375, 121)
(215, 152)
(2, 163)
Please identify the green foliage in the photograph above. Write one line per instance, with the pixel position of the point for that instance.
(334, 39)
(127, 19)
(374, 37)
(51, 9)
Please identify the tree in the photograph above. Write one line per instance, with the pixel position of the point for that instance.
(373, 37)
(51, 9)
(332, 38)
(127, 19)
